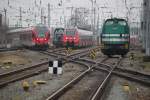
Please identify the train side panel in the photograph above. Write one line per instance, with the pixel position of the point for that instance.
(26, 39)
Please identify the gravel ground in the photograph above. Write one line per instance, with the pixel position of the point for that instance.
(15, 59)
(72, 51)
(15, 91)
(121, 89)
(137, 63)
(85, 87)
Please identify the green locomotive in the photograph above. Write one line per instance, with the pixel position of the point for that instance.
(115, 37)
(57, 37)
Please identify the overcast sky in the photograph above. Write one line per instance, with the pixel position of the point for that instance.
(117, 7)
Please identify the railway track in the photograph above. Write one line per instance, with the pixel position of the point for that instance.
(22, 73)
(123, 73)
(62, 91)
(54, 52)
(28, 71)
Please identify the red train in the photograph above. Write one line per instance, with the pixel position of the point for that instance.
(74, 37)
(38, 36)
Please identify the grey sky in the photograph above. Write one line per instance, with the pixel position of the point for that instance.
(117, 7)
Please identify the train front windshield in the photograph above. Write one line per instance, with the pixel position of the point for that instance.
(115, 27)
(70, 32)
(59, 31)
(41, 31)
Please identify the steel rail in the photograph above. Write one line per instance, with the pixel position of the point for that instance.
(24, 69)
(102, 86)
(124, 73)
(59, 92)
(65, 87)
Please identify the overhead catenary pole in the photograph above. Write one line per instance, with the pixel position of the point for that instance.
(75, 17)
(20, 19)
(41, 15)
(49, 17)
(5, 11)
(97, 30)
(35, 18)
(94, 24)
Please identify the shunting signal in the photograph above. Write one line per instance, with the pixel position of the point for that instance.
(93, 54)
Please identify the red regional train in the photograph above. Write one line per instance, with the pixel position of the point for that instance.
(35, 37)
(74, 37)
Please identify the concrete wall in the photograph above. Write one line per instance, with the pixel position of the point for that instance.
(146, 26)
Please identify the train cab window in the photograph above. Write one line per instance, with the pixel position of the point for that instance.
(122, 23)
(59, 31)
(109, 23)
(70, 32)
(41, 30)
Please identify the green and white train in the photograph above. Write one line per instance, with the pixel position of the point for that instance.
(115, 37)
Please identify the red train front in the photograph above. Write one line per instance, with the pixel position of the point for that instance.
(74, 37)
(41, 36)
(37, 37)
(71, 37)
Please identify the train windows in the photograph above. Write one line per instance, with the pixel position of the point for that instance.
(59, 31)
(41, 30)
(70, 32)
(122, 23)
(109, 22)
(41, 34)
